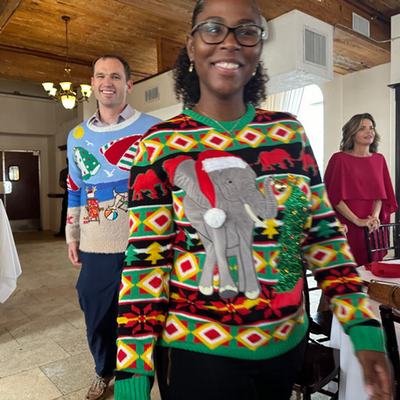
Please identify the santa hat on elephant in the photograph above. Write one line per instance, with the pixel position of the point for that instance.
(208, 161)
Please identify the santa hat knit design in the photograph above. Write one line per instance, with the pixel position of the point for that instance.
(214, 160)
(170, 166)
(218, 164)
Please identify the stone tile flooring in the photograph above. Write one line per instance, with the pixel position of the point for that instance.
(43, 349)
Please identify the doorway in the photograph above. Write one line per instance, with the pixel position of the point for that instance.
(20, 188)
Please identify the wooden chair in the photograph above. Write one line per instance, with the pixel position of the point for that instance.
(386, 237)
(320, 321)
(388, 319)
(321, 364)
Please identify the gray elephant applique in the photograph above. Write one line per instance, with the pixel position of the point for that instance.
(222, 203)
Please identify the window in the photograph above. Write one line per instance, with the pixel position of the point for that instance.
(311, 115)
(13, 173)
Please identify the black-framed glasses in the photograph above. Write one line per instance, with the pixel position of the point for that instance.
(211, 32)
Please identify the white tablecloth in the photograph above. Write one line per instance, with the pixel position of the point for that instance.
(10, 267)
(351, 377)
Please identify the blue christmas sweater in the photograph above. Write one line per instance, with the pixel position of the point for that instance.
(99, 163)
(219, 225)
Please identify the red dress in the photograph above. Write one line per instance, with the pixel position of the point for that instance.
(359, 181)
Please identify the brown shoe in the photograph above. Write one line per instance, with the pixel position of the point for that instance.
(98, 390)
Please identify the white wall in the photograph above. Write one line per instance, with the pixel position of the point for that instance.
(166, 90)
(394, 79)
(34, 123)
(395, 49)
(356, 93)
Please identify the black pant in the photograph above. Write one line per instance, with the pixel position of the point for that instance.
(64, 212)
(98, 288)
(187, 375)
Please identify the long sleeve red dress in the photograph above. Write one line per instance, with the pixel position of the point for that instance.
(359, 181)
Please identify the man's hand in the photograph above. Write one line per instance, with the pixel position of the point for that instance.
(377, 374)
(73, 253)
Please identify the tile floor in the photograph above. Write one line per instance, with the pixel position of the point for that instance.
(43, 349)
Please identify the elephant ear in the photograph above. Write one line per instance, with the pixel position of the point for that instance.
(182, 173)
(170, 166)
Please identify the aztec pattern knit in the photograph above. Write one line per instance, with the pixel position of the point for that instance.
(99, 165)
(213, 265)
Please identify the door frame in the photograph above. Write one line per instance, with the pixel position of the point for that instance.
(5, 175)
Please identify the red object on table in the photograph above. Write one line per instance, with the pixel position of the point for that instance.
(384, 270)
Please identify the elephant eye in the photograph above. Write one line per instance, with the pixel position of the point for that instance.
(229, 181)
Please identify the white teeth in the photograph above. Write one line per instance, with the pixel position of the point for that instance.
(107, 91)
(227, 65)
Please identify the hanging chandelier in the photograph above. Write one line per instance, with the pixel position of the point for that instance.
(66, 94)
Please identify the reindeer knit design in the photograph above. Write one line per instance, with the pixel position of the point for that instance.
(99, 165)
(201, 205)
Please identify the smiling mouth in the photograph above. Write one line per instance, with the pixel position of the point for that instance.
(227, 65)
(107, 91)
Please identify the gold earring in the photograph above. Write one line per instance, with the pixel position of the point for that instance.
(255, 71)
(191, 66)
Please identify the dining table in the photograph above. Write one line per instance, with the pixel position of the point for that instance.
(351, 385)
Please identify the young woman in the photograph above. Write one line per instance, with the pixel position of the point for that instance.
(225, 200)
(358, 184)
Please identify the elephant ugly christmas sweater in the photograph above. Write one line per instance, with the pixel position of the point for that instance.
(218, 229)
(100, 159)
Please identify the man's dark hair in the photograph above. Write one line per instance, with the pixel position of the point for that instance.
(119, 58)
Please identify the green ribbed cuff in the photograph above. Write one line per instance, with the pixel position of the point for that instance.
(135, 388)
(367, 338)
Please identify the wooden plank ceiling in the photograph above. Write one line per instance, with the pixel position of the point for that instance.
(149, 33)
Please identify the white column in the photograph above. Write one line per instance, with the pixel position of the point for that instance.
(395, 50)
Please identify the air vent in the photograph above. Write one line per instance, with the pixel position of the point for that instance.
(152, 94)
(314, 48)
(360, 25)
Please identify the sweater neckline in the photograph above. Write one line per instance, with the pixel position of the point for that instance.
(115, 127)
(245, 120)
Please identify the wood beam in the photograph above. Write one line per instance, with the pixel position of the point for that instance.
(43, 54)
(175, 10)
(359, 49)
(167, 53)
(369, 10)
(56, 57)
(329, 11)
(32, 68)
(7, 9)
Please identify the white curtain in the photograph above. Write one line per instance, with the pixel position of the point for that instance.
(287, 101)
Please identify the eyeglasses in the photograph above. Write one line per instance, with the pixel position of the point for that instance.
(248, 35)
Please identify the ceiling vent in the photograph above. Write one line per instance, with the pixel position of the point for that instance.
(315, 48)
(298, 52)
(152, 94)
(360, 25)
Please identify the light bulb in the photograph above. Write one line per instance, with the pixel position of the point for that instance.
(48, 86)
(65, 86)
(68, 102)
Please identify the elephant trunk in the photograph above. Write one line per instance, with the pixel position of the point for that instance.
(270, 199)
(265, 207)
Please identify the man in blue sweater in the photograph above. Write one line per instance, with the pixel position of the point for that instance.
(100, 154)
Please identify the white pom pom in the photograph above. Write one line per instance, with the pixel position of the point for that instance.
(215, 217)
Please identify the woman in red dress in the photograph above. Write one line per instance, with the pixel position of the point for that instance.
(358, 184)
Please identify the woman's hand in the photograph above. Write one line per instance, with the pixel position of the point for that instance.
(377, 374)
(371, 223)
(376, 223)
